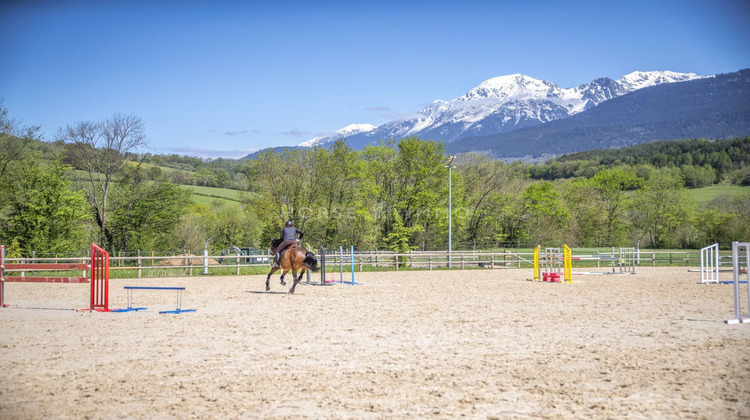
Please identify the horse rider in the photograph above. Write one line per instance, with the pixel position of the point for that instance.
(288, 237)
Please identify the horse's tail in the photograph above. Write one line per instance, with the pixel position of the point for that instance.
(310, 261)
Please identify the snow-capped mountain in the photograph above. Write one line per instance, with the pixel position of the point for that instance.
(504, 104)
(712, 108)
(349, 130)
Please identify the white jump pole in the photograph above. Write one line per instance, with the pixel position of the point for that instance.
(739, 317)
(341, 264)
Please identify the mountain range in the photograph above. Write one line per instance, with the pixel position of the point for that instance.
(519, 117)
(716, 107)
(500, 105)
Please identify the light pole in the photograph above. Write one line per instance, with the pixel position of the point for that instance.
(450, 210)
(205, 256)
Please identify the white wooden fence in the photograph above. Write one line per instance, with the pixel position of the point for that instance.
(193, 264)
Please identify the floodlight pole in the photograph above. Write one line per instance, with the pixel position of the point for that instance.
(205, 256)
(450, 211)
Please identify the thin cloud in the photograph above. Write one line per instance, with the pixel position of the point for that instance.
(209, 153)
(378, 109)
(234, 133)
(296, 133)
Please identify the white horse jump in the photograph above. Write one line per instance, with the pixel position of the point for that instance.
(740, 259)
(710, 264)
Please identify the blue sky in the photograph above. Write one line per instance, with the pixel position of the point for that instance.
(219, 79)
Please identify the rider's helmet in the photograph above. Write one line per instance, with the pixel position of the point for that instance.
(289, 223)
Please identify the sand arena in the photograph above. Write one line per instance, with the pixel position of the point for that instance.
(439, 344)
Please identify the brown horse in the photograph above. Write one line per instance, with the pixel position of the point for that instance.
(294, 258)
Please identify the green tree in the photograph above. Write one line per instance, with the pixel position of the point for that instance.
(485, 188)
(45, 214)
(422, 186)
(740, 230)
(145, 213)
(611, 187)
(398, 238)
(698, 176)
(339, 216)
(232, 225)
(378, 187)
(409, 177)
(510, 225)
(194, 228)
(662, 208)
(715, 225)
(205, 178)
(14, 249)
(588, 218)
(546, 215)
(725, 219)
(285, 187)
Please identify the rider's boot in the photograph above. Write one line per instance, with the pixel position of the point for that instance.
(276, 259)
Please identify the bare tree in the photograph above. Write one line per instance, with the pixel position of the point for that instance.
(13, 139)
(99, 150)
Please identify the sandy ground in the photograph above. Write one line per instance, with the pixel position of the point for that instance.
(474, 344)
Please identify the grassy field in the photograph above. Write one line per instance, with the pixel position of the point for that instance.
(707, 194)
(204, 195)
(207, 195)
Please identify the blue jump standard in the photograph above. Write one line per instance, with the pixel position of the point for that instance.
(130, 299)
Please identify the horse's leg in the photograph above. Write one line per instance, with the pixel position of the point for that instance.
(283, 273)
(297, 265)
(273, 270)
(296, 280)
(284, 264)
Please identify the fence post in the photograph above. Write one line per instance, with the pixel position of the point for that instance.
(430, 263)
(139, 263)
